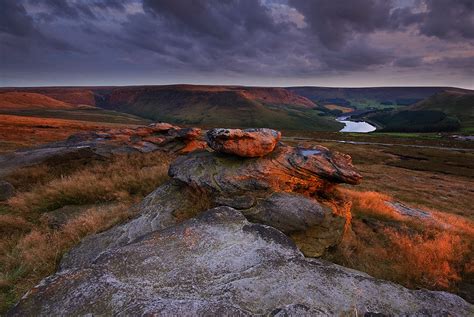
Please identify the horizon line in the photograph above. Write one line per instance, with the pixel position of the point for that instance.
(236, 85)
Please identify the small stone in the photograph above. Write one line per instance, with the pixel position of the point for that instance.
(244, 143)
(162, 127)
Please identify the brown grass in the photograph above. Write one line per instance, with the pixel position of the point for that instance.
(121, 179)
(31, 250)
(413, 252)
(27, 100)
(37, 253)
(23, 131)
(337, 107)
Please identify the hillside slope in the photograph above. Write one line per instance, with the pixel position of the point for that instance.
(450, 110)
(371, 97)
(452, 103)
(29, 100)
(208, 106)
(220, 106)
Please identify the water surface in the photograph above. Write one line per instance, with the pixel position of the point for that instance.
(353, 126)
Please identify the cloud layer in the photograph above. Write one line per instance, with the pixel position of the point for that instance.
(267, 42)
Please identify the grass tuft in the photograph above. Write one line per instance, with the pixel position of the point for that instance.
(30, 249)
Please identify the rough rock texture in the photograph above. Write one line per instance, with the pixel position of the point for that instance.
(285, 169)
(313, 226)
(218, 263)
(244, 143)
(6, 190)
(281, 189)
(104, 143)
(170, 203)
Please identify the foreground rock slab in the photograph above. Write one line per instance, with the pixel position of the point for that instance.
(244, 143)
(218, 263)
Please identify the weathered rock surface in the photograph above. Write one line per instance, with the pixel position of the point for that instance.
(104, 143)
(170, 203)
(6, 190)
(244, 143)
(285, 169)
(313, 226)
(281, 189)
(218, 263)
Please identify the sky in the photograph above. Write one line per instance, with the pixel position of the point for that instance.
(353, 43)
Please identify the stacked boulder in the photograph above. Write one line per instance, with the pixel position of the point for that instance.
(224, 237)
(288, 188)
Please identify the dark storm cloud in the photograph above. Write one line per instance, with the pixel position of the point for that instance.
(335, 22)
(214, 17)
(408, 61)
(18, 30)
(14, 19)
(452, 19)
(75, 10)
(168, 40)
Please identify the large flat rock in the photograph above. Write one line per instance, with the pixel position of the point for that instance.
(218, 263)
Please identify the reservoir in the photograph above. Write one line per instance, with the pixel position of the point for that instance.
(353, 126)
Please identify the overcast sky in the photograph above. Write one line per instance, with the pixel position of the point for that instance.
(250, 42)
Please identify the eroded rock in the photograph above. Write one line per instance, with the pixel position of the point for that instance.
(218, 263)
(107, 142)
(244, 143)
(313, 226)
(289, 189)
(285, 169)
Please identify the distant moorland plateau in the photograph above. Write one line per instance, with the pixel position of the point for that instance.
(393, 109)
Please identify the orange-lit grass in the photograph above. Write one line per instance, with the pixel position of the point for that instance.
(23, 131)
(371, 203)
(417, 253)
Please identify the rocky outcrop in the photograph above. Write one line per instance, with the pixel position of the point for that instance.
(227, 235)
(157, 136)
(107, 142)
(289, 189)
(218, 263)
(6, 190)
(244, 143)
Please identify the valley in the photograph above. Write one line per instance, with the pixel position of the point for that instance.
(390, 109)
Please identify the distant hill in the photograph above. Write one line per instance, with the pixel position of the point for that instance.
(212, 106)
(294, 108)
(372, 97)
(29, 100)
(208, 106)
(453, 103)
(450, 110)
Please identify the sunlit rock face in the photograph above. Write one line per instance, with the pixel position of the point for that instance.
(220, 264)
(155, 137)
(244, 143)
(90, 145)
